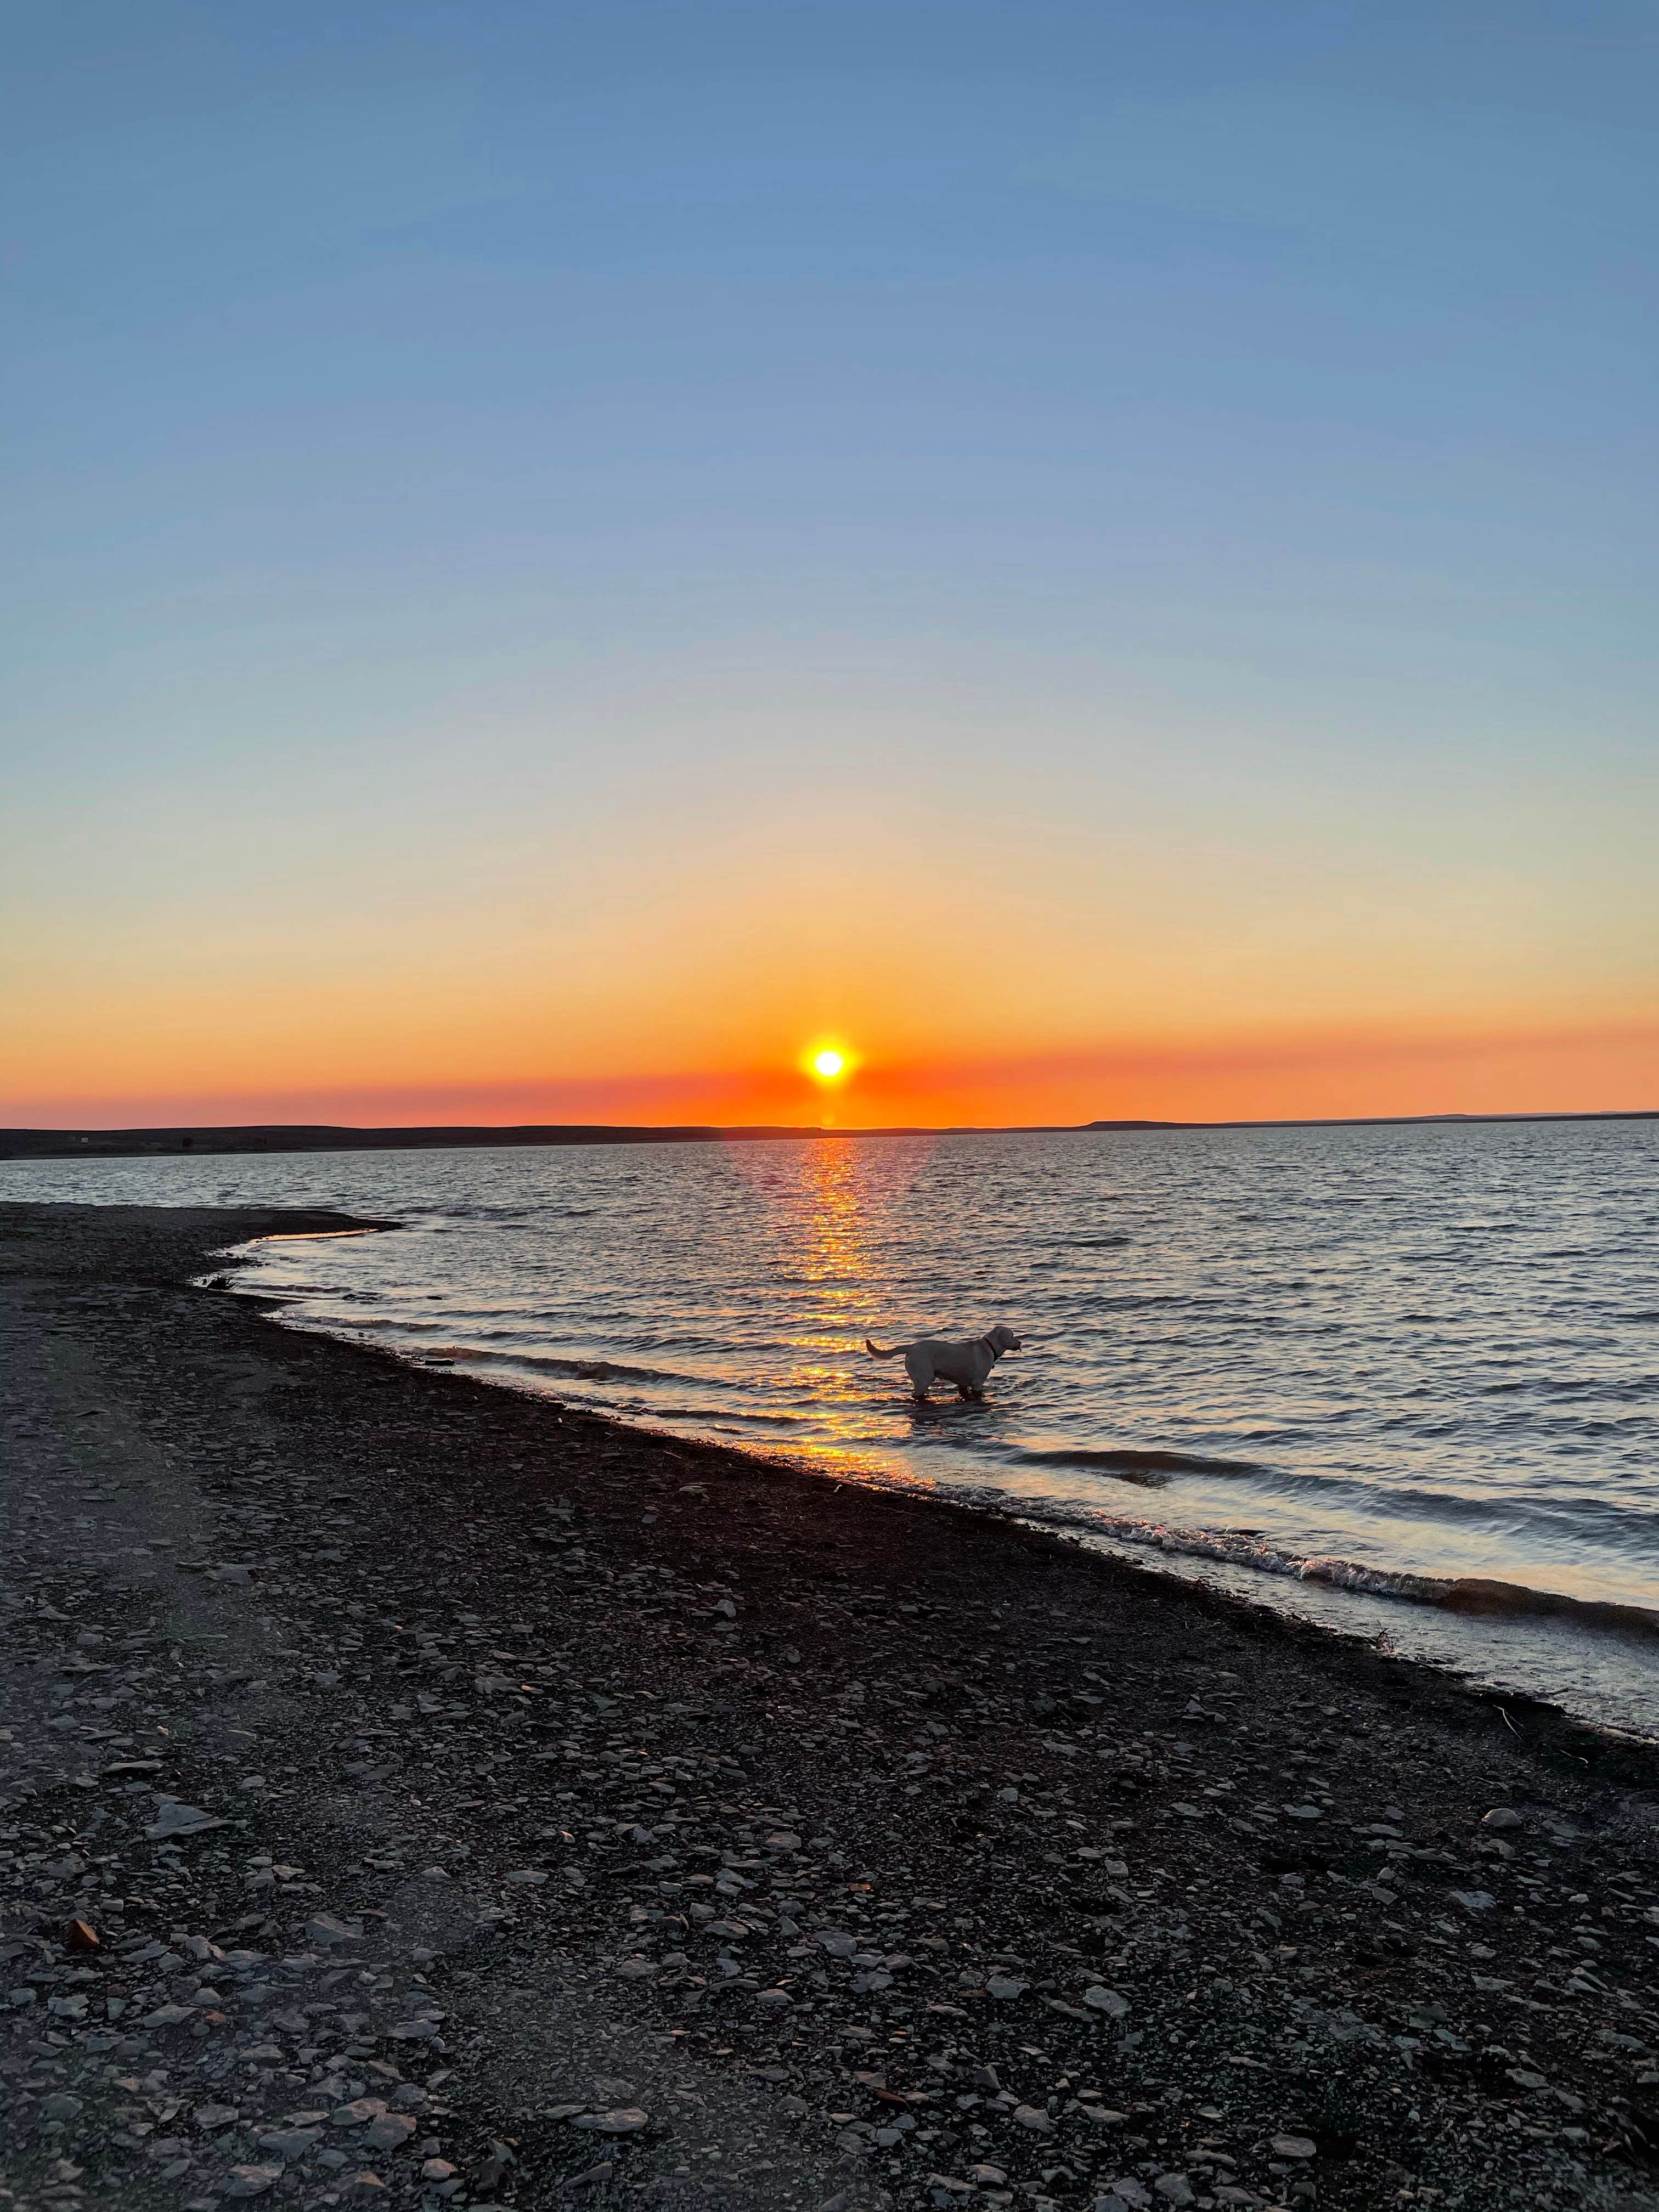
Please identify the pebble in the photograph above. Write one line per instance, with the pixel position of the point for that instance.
(252, 2180)
(1112, 2002)
(621, 2120)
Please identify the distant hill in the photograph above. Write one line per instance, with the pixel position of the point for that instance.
(326, 1137)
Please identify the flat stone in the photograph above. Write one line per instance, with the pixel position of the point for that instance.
(1108, 2001)
(1291, 2146)
(324, 1928)
(173, 1819)
(290, 2143)
(390, 2132)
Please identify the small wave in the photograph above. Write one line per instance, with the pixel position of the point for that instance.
(1473, 1595)
(1148, 1467)
(1097, 1244)
(585, 1370)
(726, 1415)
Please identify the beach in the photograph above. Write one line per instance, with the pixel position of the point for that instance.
(419, 1792)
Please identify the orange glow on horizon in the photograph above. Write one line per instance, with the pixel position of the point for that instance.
(1308, 1075)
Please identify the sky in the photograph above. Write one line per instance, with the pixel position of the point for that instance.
(1099, 557)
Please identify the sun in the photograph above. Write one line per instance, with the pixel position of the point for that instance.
(827, 1061)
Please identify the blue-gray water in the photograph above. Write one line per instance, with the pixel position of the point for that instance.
(1334, 1369)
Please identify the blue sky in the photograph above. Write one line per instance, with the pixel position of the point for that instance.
(456, 452)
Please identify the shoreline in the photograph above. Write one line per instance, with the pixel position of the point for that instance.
(1461, 1626)
(965, 1799)
(205, 1141)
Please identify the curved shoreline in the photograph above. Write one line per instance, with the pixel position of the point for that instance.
(1470, 1598)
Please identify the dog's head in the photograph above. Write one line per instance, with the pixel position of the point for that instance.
(1003, 1338)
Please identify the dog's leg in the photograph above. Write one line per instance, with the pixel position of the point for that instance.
(920, 1370)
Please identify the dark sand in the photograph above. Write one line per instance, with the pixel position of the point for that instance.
(785, 1829)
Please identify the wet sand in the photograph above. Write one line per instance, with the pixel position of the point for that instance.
(573, 1816)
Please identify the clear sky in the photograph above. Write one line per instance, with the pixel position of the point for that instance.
(1100, 556)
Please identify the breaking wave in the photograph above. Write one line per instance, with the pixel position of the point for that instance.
(1475, 1595)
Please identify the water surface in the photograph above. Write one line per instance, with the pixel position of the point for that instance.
(1382, 1375)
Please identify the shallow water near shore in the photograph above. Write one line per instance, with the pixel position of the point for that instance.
(1400, 1379)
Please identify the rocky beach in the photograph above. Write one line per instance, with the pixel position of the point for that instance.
(418, 1793)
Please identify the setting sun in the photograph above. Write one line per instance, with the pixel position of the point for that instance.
(829, 1063)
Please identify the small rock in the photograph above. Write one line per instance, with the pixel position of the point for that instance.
(1291, 2147)
(290, 2143)
(436, 2169)
(1005, 1988)
(1173, 2187)
(173, 1819)
(620, 2120)
(215, 2116)
(490, 2170)
(1034, 2117)
(1503, 1818)
(81, 1936)
(390, 2132)
(1475, 1900)
(252, 2180)
(1106, 2001)
(322, 1928)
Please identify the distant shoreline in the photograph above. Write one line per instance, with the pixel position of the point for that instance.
(327, 1137)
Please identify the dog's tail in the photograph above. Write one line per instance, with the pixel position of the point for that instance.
(876, 1352)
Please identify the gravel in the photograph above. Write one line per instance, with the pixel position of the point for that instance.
(391, 1813)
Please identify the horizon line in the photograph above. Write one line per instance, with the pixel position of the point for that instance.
(23, 1143)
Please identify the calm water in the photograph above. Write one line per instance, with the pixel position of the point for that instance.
(1338, 1370)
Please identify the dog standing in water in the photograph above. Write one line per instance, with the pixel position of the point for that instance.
(932, 1360)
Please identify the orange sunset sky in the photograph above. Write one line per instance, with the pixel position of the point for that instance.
(1103, 565)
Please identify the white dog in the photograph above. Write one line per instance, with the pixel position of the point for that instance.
(967, 1366)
